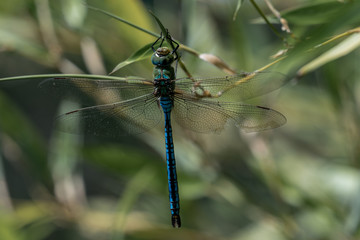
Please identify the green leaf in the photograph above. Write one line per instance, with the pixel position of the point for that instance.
(38, 76)
(340, 50)
(139, 55)
(123, 20)
(317, 13)
(163, 29)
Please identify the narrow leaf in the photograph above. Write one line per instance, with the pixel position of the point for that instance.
(163, 29)
(139, 55)
(123, 20)
(340, 50)
(316, 12)
(40, 76)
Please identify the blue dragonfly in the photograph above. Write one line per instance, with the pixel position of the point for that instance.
(133, 105)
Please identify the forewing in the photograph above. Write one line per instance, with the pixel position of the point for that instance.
(237, 87)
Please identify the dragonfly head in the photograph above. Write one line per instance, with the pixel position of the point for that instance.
(162, 57)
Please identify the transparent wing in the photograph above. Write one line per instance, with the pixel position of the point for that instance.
(239, 87)
(210, 116)
(117, 119)
(104, 89)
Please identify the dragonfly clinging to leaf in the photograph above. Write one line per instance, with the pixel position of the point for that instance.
(134, 105)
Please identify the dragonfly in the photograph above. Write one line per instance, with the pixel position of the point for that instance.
(134, 105)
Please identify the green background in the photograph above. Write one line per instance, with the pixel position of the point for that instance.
(300, 181)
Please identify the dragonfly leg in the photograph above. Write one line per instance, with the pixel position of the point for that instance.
(162, 41)
(172, 42)
(174, 45)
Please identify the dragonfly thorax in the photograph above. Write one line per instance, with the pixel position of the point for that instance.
(162, 57)
(163, 73)
(164, 87)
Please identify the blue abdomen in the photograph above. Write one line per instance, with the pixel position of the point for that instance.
(166, 103)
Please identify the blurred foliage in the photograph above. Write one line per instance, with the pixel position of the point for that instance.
(298, 182)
